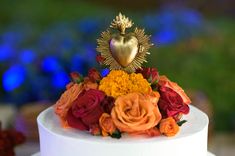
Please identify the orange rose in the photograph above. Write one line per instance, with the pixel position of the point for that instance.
(154, 97)
(164, 81)
(169, 127)
(135, 112)
(65, 102)
(106, 124)
(69, 85)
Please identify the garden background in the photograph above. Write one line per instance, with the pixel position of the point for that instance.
(41, 42)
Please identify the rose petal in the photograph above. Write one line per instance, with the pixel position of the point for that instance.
(135, 112)
(75, 122)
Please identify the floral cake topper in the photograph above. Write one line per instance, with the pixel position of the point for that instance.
(131, 99)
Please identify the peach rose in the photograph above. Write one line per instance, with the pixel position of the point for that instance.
(66, 100)
(154, 97)
(164, 81)
(135, 112)
(106, 124)
(169, 127)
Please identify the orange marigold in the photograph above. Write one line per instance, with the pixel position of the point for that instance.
(119, 83)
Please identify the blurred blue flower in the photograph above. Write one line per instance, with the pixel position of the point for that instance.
(51, 64)
(6, 51)
(171, 24)
(67, 43)
(77, 63)
(88, 26)
(45, 40)
(90, 53)
(104, 72)
(167, 19)
(191, 17)
(13, 77)
(60, 79)
(166, 36)
(27, 56)
(12, 37)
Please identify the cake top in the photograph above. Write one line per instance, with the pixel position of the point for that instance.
(130, 99)
(197, 121)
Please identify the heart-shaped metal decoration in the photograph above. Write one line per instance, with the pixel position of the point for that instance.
(124, 49)
(121, 50)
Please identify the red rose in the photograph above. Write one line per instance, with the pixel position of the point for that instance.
(108, 104)
(16, 137)
(151, 74)
(86, 109)
(171, 103)
(94, 75)
(164, 81)
(8, 140)
(100, 59)
(76, 77)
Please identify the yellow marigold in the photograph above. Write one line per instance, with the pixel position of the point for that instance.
(118, 83)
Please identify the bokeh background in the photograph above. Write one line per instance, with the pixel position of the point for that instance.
(41, 42)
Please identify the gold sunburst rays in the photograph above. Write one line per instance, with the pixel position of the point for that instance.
(119, 50)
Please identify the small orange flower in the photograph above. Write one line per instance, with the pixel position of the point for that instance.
(94, 75)
(169, 127)
(95, 129)
(106, 124)
(89, 84)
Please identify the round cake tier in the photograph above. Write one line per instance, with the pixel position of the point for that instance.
(57, 141)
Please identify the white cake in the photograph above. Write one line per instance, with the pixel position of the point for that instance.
(57, 141)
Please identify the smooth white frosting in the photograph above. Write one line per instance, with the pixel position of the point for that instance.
(57, 141)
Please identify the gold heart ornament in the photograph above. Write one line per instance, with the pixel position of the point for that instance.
(121, 50)
(124, 49)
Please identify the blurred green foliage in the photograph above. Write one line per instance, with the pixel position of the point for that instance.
(206, 64)
(45, 12)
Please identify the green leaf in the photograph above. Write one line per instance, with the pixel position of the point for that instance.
(155, 82)
(117, 134)
(79, 80)
(180, 123)
(150, 79)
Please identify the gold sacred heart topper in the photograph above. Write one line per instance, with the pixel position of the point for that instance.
(125, 51)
